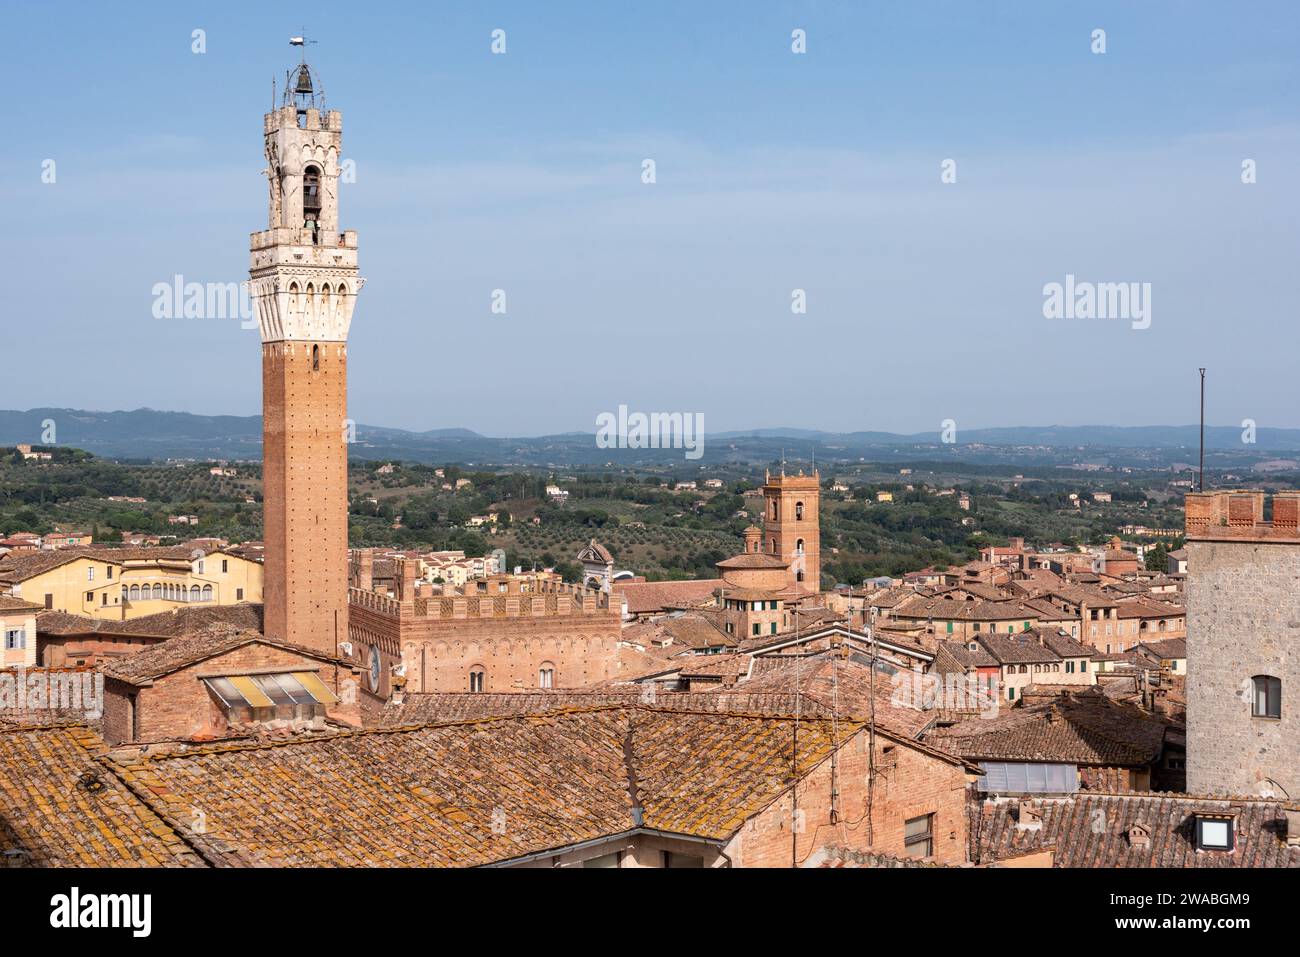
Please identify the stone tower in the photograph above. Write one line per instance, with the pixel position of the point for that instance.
(792, 531)
(303, 280)
(1243, 627)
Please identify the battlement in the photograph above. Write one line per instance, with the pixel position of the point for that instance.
(1238, 516)
(792, 482)
(549, 600)
(313, 120)
(289, 236)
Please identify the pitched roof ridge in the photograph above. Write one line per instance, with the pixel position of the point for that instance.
(259, 745)
(52, 725)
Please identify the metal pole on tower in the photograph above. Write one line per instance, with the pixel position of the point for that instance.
(1202, 469)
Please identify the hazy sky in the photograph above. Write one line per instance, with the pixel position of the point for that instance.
(775, 171)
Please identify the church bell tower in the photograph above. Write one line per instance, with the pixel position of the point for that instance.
(304, 283)
(792, 526)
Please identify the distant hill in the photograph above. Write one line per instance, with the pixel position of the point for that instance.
(153, 434)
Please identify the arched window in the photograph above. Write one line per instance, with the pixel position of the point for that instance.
(798, 511)
(135, 592)
(776, 512)
(311, 199)
(207, 593)
(315, 358)
(546, 675)
(798, 547)
(1161, 626)
(157, 590)
(476, 676)
(195, 593)
(798, 576)
(1266, 702)
(126, 593)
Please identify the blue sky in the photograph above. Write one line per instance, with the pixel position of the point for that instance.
(775, 171)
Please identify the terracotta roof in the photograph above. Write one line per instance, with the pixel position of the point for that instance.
(1091, 830)
(691, 629)
(752, 594)
(599, 552)
(820, 629)
(480, 792)
(842, 686)
(649, 597)
(176, 653)
(21, 566)
(1018, 649)
(1083, 595)
(1084, 728)
(726, 668)
(16, 604)
(1149, 608)
(63, 808)
(440, 707)
(957, 609)
(891, 596)
(1166, 648)
(752, 560)
(443, 707)
(1065, 645)
(966, 657)
(165, 624)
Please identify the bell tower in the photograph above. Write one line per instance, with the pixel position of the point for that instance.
(791, 526)
(304, 283)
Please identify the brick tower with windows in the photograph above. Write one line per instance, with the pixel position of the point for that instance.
(304, 283)
(791, 528)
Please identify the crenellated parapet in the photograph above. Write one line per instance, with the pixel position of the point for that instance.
(1238, 516)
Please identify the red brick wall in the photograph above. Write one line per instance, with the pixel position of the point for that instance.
(305, 493)
(60, 651)
(439, 652)
(908, 784)
(179, 705)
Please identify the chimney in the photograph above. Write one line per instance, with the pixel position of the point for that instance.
(406, 569)
(365, 569)
(397, 684)
(1030, 816)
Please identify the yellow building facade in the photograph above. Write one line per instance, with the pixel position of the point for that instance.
(17, 632)
(119, 584)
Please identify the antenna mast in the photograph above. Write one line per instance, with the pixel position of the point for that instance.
(1202, 470)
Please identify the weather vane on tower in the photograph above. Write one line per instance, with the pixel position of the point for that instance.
(306, 83)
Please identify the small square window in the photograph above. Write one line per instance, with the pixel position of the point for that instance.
(1214, 834)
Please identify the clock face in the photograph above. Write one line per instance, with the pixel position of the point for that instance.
(374, 669)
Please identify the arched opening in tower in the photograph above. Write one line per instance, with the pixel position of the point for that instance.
(311, 201)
